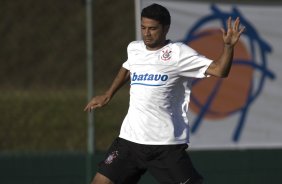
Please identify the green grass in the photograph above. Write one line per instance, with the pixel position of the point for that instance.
(40, 121)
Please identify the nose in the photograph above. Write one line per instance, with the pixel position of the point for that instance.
(147, 32)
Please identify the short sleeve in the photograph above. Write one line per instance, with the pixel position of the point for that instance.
(131, 51)
(126, 65)
(191, 63)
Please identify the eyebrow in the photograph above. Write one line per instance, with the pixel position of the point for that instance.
(149, 26)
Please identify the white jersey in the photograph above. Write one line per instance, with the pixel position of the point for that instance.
(160, 91)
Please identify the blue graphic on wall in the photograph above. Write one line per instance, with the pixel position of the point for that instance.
(259, 49)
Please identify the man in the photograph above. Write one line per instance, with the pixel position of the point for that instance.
(155, 132)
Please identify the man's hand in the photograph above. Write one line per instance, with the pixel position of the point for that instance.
(221, 66)
(99, 101)
(232, 35)
(96, 102)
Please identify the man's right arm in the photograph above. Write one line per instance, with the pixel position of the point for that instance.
(101, 100)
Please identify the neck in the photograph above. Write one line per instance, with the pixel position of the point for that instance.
(165, 42)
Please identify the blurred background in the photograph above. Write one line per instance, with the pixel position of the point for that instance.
(43, 70)
(43, 91)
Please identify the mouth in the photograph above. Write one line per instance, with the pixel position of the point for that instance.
(147, 40)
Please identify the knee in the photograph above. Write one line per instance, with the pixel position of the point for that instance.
(101, 179)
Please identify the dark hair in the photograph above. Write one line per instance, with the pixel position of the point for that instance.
(157, 12)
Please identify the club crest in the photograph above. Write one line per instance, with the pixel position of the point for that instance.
(166, 54)
(111, 157)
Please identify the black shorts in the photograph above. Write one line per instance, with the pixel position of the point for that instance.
(126, 162)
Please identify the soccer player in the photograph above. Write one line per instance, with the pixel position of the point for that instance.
(154, 135)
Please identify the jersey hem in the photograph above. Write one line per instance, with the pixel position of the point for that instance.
(153, 142)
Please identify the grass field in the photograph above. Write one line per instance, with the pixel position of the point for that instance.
(55, 120)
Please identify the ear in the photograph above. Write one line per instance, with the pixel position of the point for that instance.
(166, 29)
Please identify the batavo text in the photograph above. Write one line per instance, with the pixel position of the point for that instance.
(148, 77)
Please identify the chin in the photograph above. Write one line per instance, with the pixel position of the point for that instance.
(150, 45)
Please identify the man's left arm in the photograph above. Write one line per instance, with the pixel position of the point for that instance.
(221, 67)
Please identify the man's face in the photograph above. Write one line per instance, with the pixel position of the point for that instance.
(153, 33)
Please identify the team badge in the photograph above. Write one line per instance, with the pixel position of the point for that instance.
(111, 157)
(166, 54)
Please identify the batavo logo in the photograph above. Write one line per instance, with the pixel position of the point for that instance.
(148, 79)
(217, 99)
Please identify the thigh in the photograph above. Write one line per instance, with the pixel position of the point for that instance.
(119, 165)
(174, 166)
